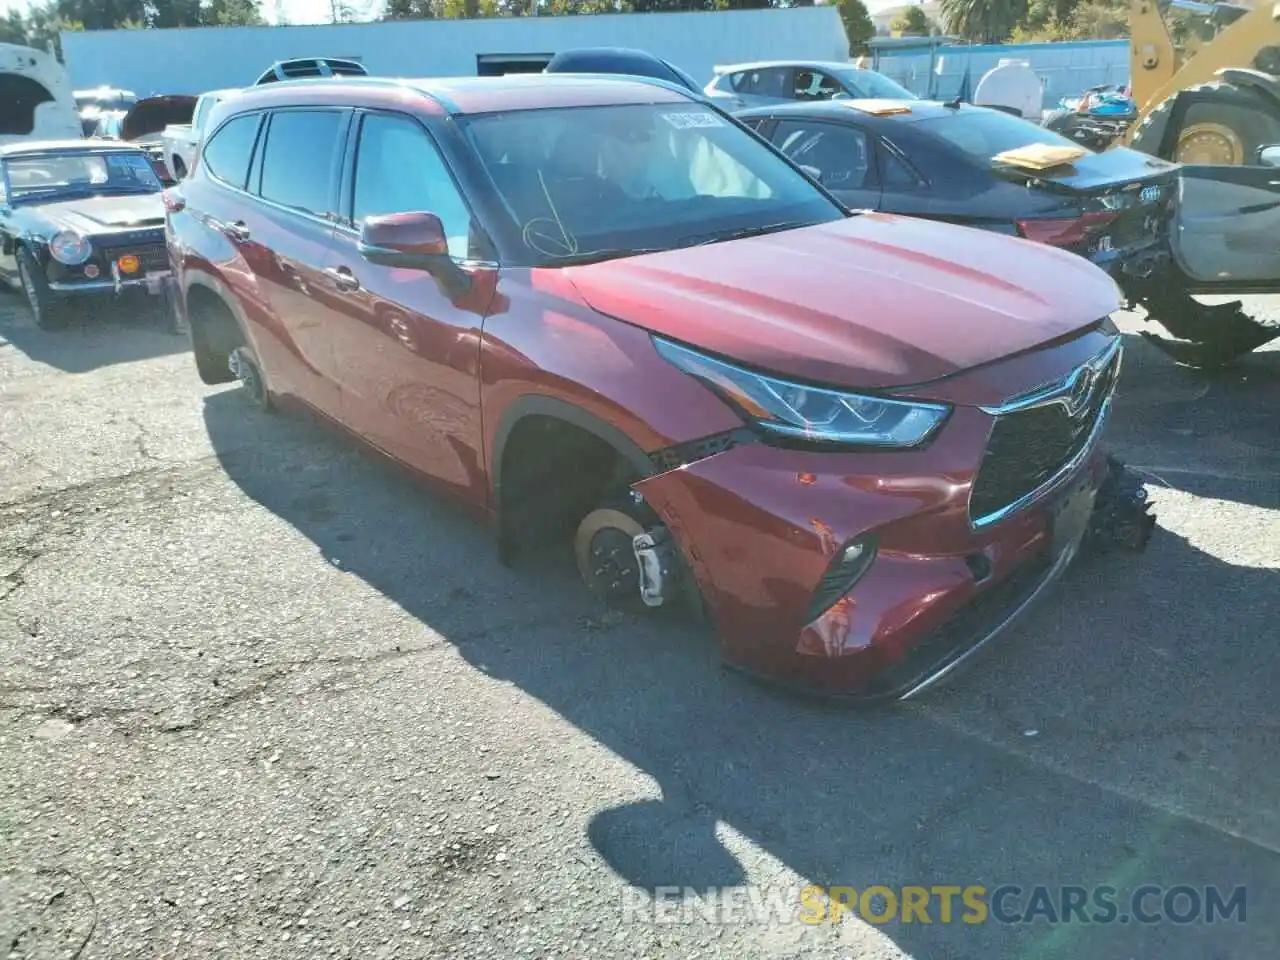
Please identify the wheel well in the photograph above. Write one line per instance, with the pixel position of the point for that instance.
(215, 332)
(551, 474)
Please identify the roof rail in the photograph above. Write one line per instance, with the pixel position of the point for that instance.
(310, 67)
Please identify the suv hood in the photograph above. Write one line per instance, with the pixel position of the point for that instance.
(873, 301)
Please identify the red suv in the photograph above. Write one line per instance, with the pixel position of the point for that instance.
(603, 313)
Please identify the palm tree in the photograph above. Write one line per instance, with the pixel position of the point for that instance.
(984, 21)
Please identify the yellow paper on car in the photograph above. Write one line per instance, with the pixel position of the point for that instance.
(1040, 156)
(879, 108)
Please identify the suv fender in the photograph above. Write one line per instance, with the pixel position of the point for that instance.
(537, 404)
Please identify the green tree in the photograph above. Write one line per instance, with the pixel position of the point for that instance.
(912, 22)
(232, 13)
(13, 28)
(983, 21)
(857, 23)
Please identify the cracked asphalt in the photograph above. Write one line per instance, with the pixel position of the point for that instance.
(261, 697)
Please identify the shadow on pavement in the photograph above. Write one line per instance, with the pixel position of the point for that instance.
(101, 336)
(1205, 432)
(913, 795)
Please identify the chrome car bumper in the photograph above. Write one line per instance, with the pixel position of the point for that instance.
(154, 284)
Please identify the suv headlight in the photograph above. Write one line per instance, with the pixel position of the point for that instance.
(70, 248)
(801, 412)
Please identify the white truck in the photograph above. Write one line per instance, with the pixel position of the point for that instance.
(36, 99)
(181, 140)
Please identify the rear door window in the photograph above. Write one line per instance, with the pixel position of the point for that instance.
(229, 150)
(300, 160)
(768, 82)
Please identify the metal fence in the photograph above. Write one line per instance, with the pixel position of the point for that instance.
(1065, 69)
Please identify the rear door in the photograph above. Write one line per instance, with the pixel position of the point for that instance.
(765, 86)
(1227, 232)
(297, 181)
(840, 156)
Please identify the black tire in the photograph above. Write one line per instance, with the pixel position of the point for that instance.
(48, 312)
(1250, 117)
(249, 373)
(1059, 121)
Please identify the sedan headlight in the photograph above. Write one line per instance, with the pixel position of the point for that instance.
(802, 412)
(70, 248)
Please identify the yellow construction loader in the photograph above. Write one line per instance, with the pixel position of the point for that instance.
(1214, 105)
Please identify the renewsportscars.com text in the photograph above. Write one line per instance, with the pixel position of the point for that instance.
(937, 904)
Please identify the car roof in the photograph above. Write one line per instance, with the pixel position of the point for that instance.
(849, 110)
(457, 96)
(805, 64)
(62, 146)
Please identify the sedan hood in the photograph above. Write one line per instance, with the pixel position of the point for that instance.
(98, 214)
(871, 301)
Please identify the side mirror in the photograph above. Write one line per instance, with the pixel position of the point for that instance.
(413, 241)
(1269, 156)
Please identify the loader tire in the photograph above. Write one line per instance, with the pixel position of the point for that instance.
(1224, 125)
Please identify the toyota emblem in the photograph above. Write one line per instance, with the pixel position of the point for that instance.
(1080, 391)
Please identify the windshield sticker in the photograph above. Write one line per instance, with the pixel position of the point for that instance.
(690, 121)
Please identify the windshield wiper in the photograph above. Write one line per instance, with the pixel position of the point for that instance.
(699, 239)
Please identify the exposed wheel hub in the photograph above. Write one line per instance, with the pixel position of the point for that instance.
(250, 377)
(605, 551)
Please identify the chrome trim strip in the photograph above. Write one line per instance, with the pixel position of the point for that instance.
(109, 284)
(1051, 576)
(1074, 463)
(1059, 392)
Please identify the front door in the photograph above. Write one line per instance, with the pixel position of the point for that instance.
(1228, 225)
(838, 156)
(408, 351)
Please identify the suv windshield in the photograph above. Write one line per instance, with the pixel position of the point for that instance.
(984, 133)
(869, 85)
(589, 182)
(50, 175)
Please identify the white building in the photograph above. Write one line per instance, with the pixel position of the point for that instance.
(209, 58)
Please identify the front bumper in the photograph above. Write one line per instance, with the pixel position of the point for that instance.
(154, 284)
(759, 526)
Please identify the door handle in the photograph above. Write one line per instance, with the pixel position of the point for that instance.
(342, 278)
(237, 231)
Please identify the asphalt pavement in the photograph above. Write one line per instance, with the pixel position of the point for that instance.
(262, 697)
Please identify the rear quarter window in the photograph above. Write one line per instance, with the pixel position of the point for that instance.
(229, 150)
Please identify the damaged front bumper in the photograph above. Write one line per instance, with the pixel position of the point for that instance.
(759, 527)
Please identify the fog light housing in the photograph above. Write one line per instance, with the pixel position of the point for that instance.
(91, 271)
(128, 263)
(849, 565)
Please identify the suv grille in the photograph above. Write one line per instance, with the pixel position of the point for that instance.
(154, 256)
(1029, 446)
